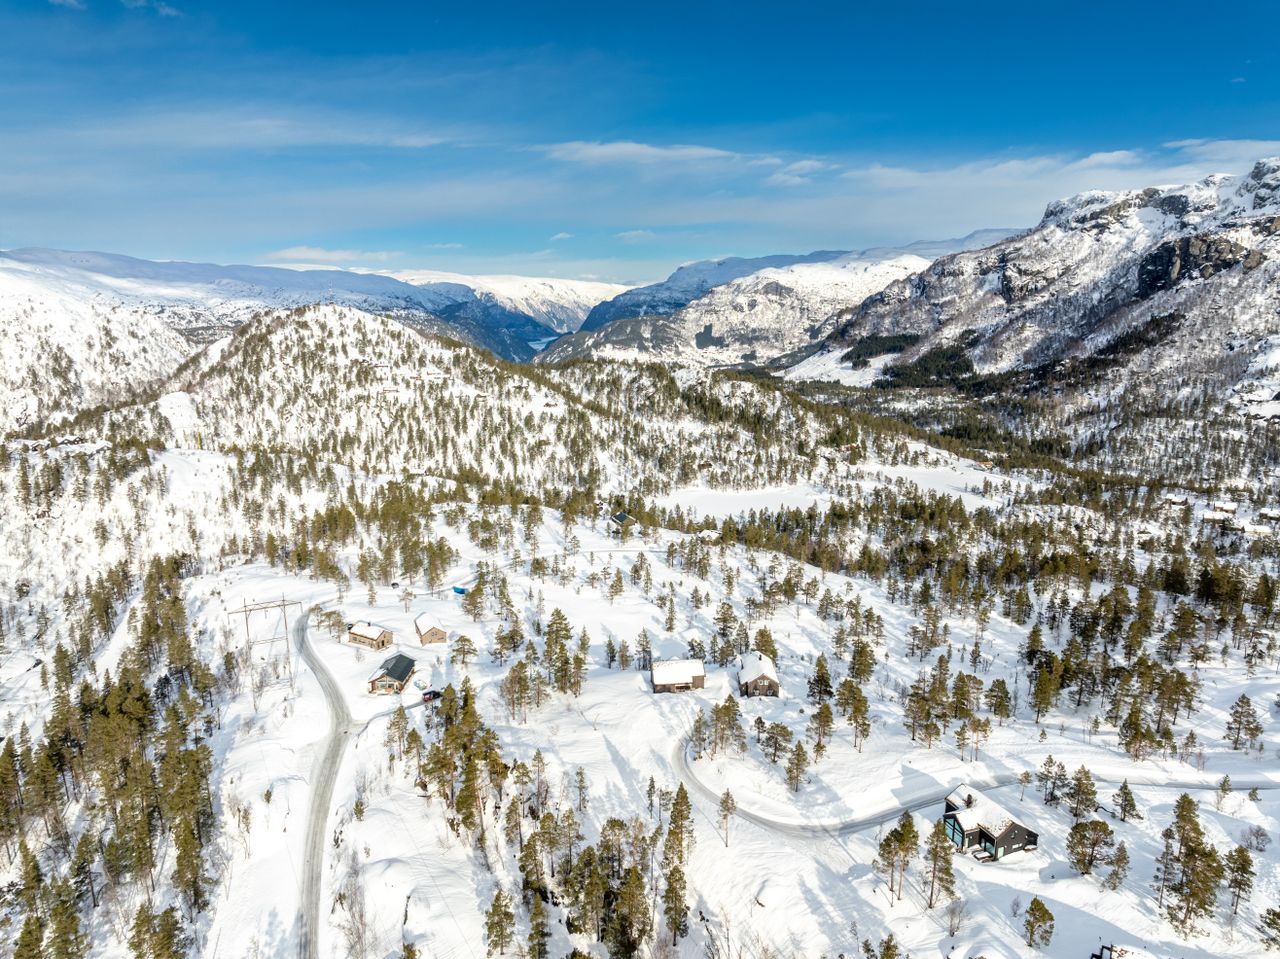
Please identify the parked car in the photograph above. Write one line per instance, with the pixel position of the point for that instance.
(430, 695)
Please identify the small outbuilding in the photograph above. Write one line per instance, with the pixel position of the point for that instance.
(369, 634)
(973, 821)
(428, 632)
(757, 675)
(393, 675)
(677, 675)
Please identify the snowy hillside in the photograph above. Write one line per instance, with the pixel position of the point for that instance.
(67, 347)
(1148, 282)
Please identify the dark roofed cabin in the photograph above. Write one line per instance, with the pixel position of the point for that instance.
(393, 675)
(974, 822)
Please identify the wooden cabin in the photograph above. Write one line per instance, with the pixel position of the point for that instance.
(757, 675)
(367, 634)
(974, 822)
(677, 675)
(428, 632)
(392, 676)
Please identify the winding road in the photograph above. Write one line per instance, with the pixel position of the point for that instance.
(917, 803)
(341, 728)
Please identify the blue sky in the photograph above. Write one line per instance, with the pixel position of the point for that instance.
(609, 140)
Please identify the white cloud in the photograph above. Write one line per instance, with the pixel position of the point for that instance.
(159, 6)
(562, 235)
(629, 151)
(636, 236)
(446, 246)
(240, 128)
(794, 174)
(69, 4)
(318, 254)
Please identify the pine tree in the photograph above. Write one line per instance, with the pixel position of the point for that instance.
(1119, 867)
(1240, 873)
(65, 940)
(539, 932)
(1037, 926)
(1195, 894)
(473, 602)
(1126, 804)
(464, 650)
(938, 853)
(674, 908)
(631, 922)
(797, 765)
(1270, 927)
(820, 689)
(728, 806)
(1166, 867)
(1243, 723)
(30, 944)
(1088, 844)
(1082, 793)
(680, 826)
(500, 922)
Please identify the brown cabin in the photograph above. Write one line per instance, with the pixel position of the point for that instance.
(677, 675)
(428, 632)
(369, 635)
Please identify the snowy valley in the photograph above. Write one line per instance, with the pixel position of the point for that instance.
(331, 627)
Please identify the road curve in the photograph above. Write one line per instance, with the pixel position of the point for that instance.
(831, 830)
(341, 727)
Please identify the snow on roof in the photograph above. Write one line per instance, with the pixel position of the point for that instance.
(974, 810)
(366, 630)
(753, 665)
(677, 672)
(423, 622)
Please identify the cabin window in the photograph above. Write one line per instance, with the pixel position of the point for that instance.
(954, 832)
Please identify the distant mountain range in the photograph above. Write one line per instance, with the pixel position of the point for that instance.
(1165, 288)
(746, 310)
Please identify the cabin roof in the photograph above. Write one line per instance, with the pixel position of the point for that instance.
(398, 667)
(366, 630)
(973, 810)
(754, 665)
(676, 672)
(423, 622)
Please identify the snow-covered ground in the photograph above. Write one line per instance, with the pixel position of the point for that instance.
(826, 366)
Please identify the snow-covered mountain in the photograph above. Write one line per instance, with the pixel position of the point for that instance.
(688, 283)
(739, 310)
(67, 347)
(748, 319)
(79, 328)
(561, 305)
(1147, 283)
(204, 300)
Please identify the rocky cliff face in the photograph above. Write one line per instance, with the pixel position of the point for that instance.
(1098, 270)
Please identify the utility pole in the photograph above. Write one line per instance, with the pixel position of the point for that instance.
(283, 606)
